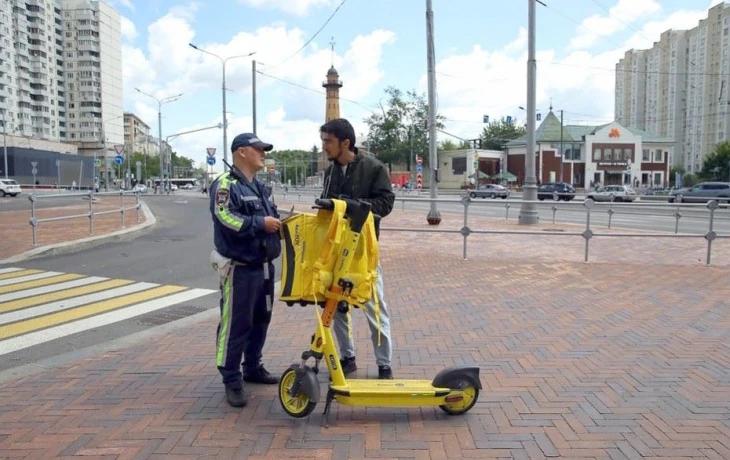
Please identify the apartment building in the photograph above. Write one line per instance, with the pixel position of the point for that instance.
(682, 91)
(60, 74)
(137, 135)
(93, 70)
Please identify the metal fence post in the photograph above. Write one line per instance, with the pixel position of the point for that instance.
(91, 213)
(677, 216)
(506, 211)
(138, 204)
(121, 201)
(555, 209)
(465, 231)
(33, 219)
(588, 233)
(610, 214)
(710, 236)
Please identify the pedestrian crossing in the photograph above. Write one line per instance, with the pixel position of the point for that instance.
(37, 306)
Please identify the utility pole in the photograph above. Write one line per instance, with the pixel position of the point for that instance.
(561, 146)
(528, 209)
(5, 145)
(253, 93)
(413, 159)
(434, 217)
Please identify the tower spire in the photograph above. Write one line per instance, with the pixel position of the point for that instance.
(332, 46)
(551, 104)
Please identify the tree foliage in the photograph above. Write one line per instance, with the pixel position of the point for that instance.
(295, 165)
(716, 165)
(499, 132)
(402, 120)
(448, 144)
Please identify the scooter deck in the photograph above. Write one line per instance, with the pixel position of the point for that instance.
(388, 388)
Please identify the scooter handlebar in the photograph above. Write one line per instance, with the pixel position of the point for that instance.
(328, 204)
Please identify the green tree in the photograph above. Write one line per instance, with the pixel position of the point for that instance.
(498, 132)
(292, 165)
(673, 173)
(402, 120)
(716, 165)
(448, 144)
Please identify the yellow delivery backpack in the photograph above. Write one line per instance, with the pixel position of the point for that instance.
(312, 244)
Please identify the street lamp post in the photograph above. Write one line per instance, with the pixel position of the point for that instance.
(164, 100)
(434, 216)
(223, 89)
(5, 145)
(528, 209)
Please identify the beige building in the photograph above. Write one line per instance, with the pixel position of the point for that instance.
(137, 135)
(679, 88)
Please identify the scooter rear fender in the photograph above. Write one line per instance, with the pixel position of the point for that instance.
(452, 374)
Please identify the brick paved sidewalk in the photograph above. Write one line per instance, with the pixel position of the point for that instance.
(608, 360)
(17, 232)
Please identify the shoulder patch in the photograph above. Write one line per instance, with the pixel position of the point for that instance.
(222, 196)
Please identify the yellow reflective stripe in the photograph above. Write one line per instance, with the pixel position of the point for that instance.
(221, 212)
(225, 332)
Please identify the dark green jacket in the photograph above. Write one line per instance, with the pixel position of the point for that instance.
(367, 178)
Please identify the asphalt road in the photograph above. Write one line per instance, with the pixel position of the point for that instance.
(176, 252)
(653, 216)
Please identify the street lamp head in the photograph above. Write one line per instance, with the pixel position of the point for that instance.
(193, 46)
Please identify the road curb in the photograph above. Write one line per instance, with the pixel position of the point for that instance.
(68, 247)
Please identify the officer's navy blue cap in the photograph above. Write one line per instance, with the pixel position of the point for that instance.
(249, 140)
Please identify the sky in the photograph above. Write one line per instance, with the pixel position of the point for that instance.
(480, 47)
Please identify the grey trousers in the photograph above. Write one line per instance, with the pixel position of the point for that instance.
(342, 327)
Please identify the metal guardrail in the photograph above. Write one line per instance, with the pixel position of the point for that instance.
(35, 221)
(591, 208)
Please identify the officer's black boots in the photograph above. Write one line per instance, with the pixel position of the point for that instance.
(259, 375)
(236, 397)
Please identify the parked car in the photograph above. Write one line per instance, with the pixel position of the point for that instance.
(141, 188)
(702, 193)
(614, 193)
(490, 190)
(556, 191)
(9, 187)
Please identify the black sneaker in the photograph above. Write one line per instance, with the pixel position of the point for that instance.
(385, 373)
(260, 375)
(348, 365)
(236, 397)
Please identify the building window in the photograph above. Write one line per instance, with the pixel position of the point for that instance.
(628, 154)
(658, 156)
(458, 165)
(596, 154)
(607, 154)
(645, 155)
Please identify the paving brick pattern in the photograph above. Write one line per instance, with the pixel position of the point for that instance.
(606, 360)
(17, 232)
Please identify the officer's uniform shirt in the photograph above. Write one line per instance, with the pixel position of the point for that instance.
(238, 207)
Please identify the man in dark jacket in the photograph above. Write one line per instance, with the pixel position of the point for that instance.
(359, 176)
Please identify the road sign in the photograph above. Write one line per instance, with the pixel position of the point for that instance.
(211, 161)
(485, 119)
(97, 162)
(419, 160)
(509, 119)
(211, 151)
(34, 171)
(419, 181)
(119, 148)
(538, 116)
(34, 163)
(118, 159)
(419, 168)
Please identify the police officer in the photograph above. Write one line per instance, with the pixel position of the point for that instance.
(245, 225)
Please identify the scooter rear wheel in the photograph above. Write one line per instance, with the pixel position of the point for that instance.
(470, 395)
(296, 406)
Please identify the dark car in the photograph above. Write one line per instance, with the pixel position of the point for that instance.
(556, 191)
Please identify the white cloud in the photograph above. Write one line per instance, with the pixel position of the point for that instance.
(296, 7)
(294, 124)
(619, 17)
(125, 3)
(129, 31)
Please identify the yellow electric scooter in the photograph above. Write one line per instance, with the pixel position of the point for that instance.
(455, 389)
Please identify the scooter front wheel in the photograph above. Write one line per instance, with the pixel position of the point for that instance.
(470, 394)
(299, 405)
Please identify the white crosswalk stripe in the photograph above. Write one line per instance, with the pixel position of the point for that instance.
(38, 306)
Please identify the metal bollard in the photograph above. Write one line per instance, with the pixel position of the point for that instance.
(121, 201)
(506, 211)
(138, 204)
(710, 236)
(610, 214)
(91, 213)
(555, 209)
(677, 216)
(465, 231)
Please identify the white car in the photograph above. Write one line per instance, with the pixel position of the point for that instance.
(614, 193)
(9, 187)
(141, 188)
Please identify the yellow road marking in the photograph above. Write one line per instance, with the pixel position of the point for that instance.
(38, 283)
(42, 322)
(18, 273)
(61, 295)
